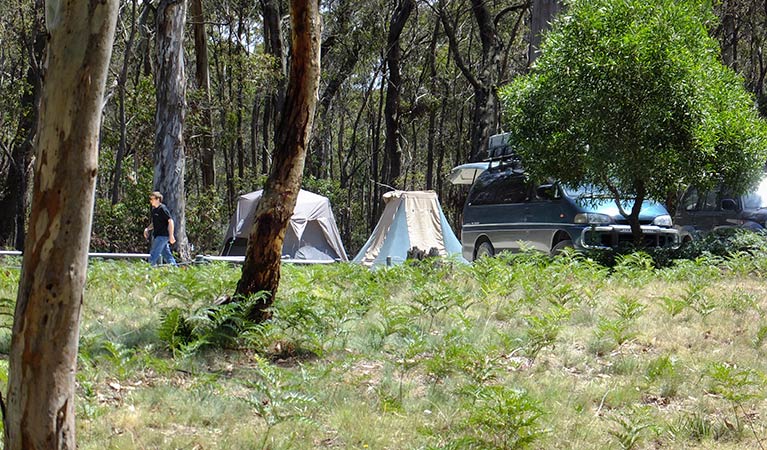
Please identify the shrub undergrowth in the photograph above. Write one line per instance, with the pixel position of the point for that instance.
(518, 351)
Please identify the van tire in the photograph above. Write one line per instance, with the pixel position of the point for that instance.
(485, 249)
(561, 245)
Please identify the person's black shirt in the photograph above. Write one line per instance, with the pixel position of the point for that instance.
(160, 217)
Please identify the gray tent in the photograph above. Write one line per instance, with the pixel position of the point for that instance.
(312, 234)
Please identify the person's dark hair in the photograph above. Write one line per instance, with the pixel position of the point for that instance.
(156, 195)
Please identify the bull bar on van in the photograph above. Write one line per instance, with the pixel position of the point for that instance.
(611, 236)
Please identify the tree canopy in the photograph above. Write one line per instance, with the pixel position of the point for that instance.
(632, 97)
(454, 56)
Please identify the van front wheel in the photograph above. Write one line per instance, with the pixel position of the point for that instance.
(485, 249)
(560, 246)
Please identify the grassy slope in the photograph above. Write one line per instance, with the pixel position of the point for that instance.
(565, 354)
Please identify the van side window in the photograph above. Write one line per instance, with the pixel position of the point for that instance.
(690, 200)
(494, 187)
(513, 189)
(695, 200)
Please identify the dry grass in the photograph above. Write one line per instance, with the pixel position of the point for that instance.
(435, 356)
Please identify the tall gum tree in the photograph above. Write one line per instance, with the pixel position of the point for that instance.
(261, 270)
(41, 384)
(202, 76)
(485, 79)
(170, 83)
(393, 91)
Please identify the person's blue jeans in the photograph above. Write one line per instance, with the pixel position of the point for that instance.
(160, 247)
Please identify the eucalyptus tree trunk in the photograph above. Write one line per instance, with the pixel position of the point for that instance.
(486, 105)
(40, 412)
(261, 271)
(202, 75)
(170, 84)
(393, 90)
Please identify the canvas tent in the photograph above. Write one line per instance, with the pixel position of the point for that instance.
(312, 234)
(410, 219)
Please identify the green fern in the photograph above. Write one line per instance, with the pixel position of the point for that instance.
(7, 307)
(174, 330)
(214, 325)
(500, 418)
(631, 429)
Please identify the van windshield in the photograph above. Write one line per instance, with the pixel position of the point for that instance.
(586, 191)
(758, 198)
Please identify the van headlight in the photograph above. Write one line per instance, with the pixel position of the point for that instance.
(593, 218)
(663, 221)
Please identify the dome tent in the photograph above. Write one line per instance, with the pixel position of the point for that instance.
(410, 219)
(312, 234)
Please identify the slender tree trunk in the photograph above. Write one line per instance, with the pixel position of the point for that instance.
(222, 72)
(441, 152)
(122, 80)
(267, 134)
(261, 270)
(13, 205)
(432, 108)
(542, 13)
(342, 174)
(633, 215)
(345, 60)
(202, 75)
(633, 218)
(254, 144)
(240, 105)
(273, 46)
(376, 161)
(393, 90)
(41, 386)
(486, 105)
(170, 83)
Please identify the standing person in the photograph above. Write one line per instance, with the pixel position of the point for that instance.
(162, 227)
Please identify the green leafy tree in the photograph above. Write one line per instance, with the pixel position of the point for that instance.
(631, 97)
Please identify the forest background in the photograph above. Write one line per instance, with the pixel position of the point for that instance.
(408, 90)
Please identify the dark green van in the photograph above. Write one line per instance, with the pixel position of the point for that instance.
(505, 211)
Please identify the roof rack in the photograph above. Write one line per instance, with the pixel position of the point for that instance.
(499, 151)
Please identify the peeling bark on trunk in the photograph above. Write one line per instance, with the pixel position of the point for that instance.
(41, 384)
(261, 271)
(170, 83)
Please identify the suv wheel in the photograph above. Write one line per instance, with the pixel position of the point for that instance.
(561, 245)
(485, 249)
